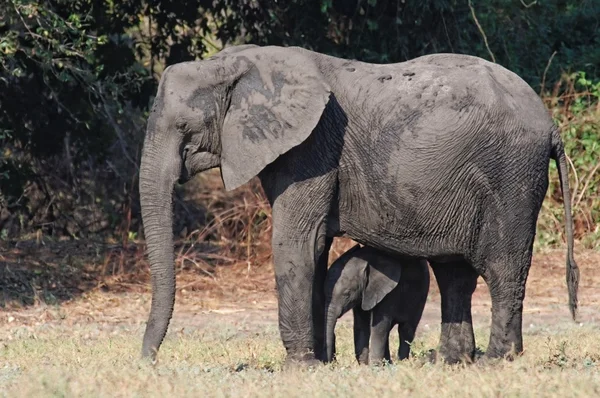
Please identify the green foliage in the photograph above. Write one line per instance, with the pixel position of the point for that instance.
(52, 77)
(522, 36)
(581, 130)
(575, 103)
(60, 110)
(77, 77)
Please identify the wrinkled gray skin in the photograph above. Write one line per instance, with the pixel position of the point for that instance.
(382, 291)
(444, 157)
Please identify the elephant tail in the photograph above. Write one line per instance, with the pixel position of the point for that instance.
(558, 154)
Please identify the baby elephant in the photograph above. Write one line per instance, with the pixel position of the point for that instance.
(382, 291)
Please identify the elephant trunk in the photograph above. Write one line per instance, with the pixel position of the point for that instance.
(159, 170)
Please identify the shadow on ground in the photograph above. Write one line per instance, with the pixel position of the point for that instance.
(51, 272)
(34, 272)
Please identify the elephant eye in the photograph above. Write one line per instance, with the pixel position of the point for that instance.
(181, 125)
(189, 148)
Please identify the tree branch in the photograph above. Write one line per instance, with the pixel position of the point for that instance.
(546, 71)
(117, 128)
(485, 40)
(534, 2)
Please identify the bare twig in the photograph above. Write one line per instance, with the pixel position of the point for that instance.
(557, 223)
(117, 128)
(543, 85)
(587, 183)
(34, 35)
(534, 2)
(199, 267)
(69, 159)
(114, 169)
(446, 31)
(485, 40)
(56, 99)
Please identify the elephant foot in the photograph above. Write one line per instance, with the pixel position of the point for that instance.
(149, 361)
(321, 354)
(495, 356)
(431, 357)
(487, 361)
(427, 359)
(380, 363)
(435, 356)
(151, 356)
(301, 361)
(362, 356)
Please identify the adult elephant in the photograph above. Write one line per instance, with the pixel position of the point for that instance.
(444, 157)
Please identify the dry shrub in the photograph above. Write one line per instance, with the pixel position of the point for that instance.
(340, 245)
(237, 230)
(237, 225)
(574, 102)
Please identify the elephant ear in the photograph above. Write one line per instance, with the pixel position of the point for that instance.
(383, 276)
(276, 102)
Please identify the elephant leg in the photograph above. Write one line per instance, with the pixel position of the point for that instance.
(507, 290)
(387, 355)
(333, 356)
(380, 337)
(301, 198)
(318, 302)
(295, 269)
(457, 281)
(297, 250)
(362, 335)
(406, 333)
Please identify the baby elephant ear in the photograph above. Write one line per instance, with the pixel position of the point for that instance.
(277, 99)
(383, 276)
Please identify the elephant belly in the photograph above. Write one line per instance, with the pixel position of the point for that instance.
(409, 232)
(412, 216)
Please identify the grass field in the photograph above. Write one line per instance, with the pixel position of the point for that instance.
(223, 341)
(91, 361)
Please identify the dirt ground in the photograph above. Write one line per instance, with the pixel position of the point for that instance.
(57, 286)
(72, 316)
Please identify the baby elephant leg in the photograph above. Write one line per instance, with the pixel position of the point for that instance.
(406, 334)
(362, 334)
(380, 336)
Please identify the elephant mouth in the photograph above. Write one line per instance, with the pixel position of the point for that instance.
(183, 179)
(197, 162)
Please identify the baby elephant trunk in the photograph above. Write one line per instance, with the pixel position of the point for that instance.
(332, 314)
(342, 292)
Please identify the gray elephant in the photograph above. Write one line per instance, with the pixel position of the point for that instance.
(382, 291)
(443, 157)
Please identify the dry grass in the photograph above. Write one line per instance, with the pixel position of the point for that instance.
(221, 361)
(90, 346)
(230, 253)
(74, 313)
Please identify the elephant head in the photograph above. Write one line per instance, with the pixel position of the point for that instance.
(360, 277)
(238, 110)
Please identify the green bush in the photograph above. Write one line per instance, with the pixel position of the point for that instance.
(575, 103)
(77, 77)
